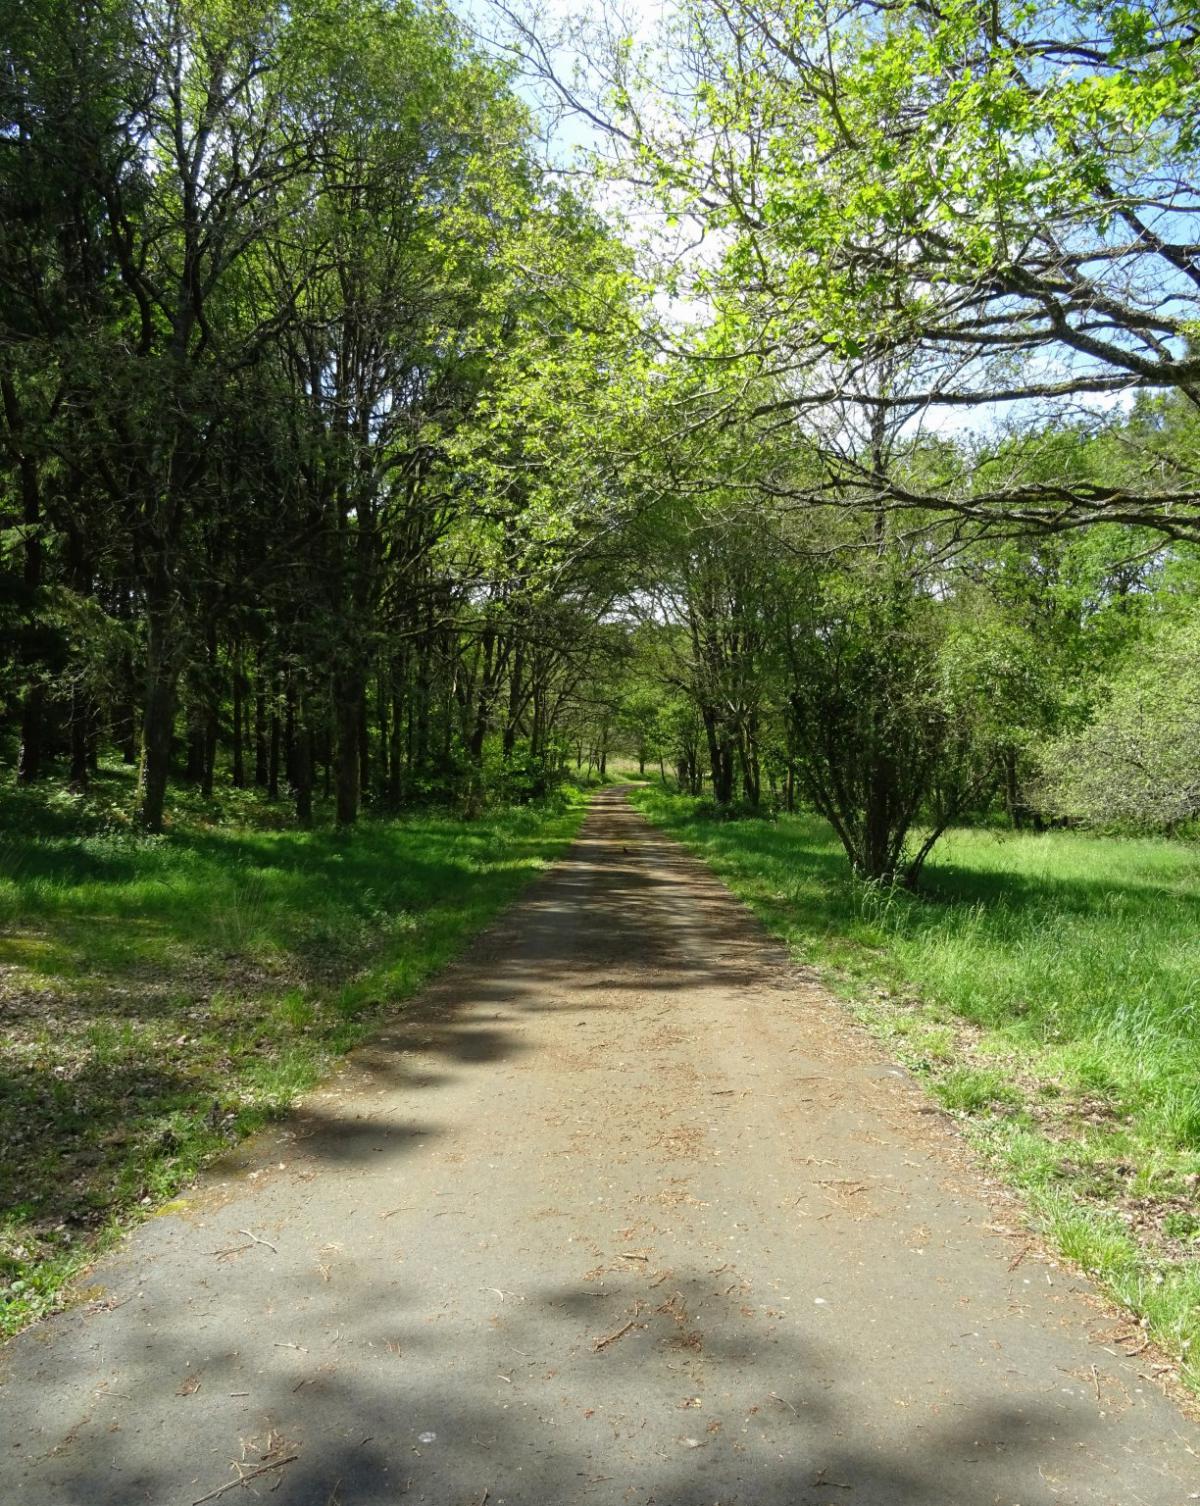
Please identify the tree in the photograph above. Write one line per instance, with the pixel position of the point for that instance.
(306, 441)
(1137, 762)
(1002, 199)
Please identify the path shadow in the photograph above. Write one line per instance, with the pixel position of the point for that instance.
(532, 1414)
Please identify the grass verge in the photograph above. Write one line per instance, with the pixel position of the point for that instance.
(1047, 987)
(161, 998)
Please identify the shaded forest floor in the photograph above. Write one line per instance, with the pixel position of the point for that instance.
(161, 998)
(1048, 988)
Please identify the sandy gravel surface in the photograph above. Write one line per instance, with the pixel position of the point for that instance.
(624, 1209)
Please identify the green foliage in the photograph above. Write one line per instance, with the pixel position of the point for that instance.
(970, 202)
(304, 408)
(1137, 762)
(886, 705)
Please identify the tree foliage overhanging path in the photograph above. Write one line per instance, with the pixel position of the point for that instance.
(916, 209)
(345, 448)
(945, 263)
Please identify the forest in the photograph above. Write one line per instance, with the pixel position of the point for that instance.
(412, 418)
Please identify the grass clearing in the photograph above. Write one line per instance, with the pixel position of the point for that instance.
(161, 998)
(1048, 988)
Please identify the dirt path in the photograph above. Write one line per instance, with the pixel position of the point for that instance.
(624, 1211)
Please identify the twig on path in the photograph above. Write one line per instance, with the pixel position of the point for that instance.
(233, 1250)
(483, 1499)
(783, 1403)
(634, 1257)
(1019, 1256)
(613, 1337)
(264, 1469)
(258, 1241)
(1096, 1383)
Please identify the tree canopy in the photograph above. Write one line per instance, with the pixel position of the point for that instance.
(826, 428)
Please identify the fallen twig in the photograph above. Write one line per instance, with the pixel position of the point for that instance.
(612, 1337)
(264, 1469)
(258, 1241)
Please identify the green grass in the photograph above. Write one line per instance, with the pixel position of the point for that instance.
(160, 998)
(1048, 988)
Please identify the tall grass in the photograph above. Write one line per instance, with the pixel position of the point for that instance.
(1049, 987)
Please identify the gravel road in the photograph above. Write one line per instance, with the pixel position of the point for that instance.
(623, 1209)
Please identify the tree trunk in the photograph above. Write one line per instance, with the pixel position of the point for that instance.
(194, 769)
(720, 758)
(347, 700)
(262, 750)
(514, 702)
(419, 755)
(364, 749)
(382, 703)
(880, 839)
(396, 756)
(751, 777)
(239, 699)
(158, 715)
(33, 703)
(210, 752)
(33, 721)
(1012, 791)
(79, 719)
(273, 757)
(289, 734)
(302, 775)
